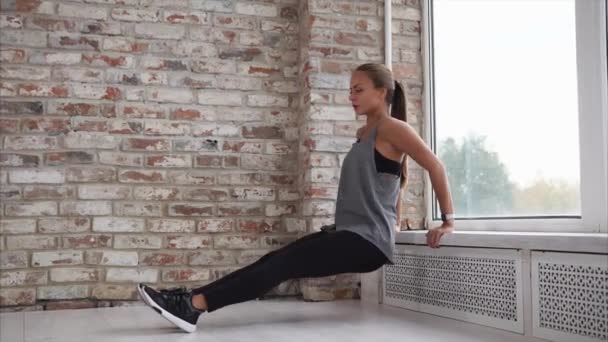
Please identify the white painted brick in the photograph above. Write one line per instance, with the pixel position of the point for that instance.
(188, 242)
(64, 225)
(131, 14)
(84, 208)
(13, 259)
(30, 242)
(62, 292)
(23, 278)
(267, 100)
(103, 192)
(117, 224)
(76, 274)
(166, 225)
(160, 31)
(36, 176)
(406, 13)
(329, 81)
(82, 11)
(215, 130)
(332, 113)
(137, 241)
(21, 37)
(43, 208)
(318, 207)
(30, 142)
(132, 275)
(17, 226)
(254, 194)
(91, 140)
(241, 241)
(221, 98)
(212, 5)
(170, 95)
(138, 209)
(117, 258)
(278, 209)
(45, 259)
(64, 58)
(293, 225)
(264, 10)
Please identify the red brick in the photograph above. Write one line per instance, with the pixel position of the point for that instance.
(209, 161)
(70, 305)
(101, 27)
(259, 225)
(41, 192)
(193, 209)
(21, 107)
(262, 132)
(141, 176)
(68, 157)
(108, 61)
(161, 259)
(205, 194)
(143, 111)
(9, 125)
(17, 296)
(235, 209)
(139, 144)
(89, 125)
(12, 55)
(46, 125)
(44, 90)
(74, 41)
(125, 127)
(19, 159)
(98, 174)
(73, 108)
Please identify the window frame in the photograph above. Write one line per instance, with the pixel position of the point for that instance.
(591, 45)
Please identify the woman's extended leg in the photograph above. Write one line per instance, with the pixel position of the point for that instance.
(245, 269)
(317, 255)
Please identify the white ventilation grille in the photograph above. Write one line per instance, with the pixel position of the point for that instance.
(570, 296)
(476, 285)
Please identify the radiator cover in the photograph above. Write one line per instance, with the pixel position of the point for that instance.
(476, 285)
(570, 296)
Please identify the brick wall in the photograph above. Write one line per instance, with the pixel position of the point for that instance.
(172, 142)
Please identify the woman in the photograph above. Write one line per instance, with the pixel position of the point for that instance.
(362, 239)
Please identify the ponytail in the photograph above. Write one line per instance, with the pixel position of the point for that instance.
(399, 111)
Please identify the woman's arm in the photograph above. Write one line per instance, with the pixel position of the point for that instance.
(405, 139)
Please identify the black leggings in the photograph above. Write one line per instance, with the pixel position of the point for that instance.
(319, 254)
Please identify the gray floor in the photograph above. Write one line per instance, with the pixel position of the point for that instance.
(267, 321)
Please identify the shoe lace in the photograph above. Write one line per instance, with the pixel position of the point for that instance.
(175, 290)
(176, 298)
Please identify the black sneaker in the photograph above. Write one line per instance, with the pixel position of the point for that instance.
(175, 305)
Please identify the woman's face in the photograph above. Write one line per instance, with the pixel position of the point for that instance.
(363, 96)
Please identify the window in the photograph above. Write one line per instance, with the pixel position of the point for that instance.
(516, 105)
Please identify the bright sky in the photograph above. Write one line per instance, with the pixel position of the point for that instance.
(507, 69)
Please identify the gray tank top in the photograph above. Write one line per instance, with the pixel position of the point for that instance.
(367, 198)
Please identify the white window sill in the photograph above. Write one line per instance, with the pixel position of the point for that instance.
(566, 242)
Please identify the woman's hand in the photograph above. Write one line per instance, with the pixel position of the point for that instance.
(434, 235)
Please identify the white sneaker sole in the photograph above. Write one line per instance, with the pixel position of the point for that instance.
(166, 314)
